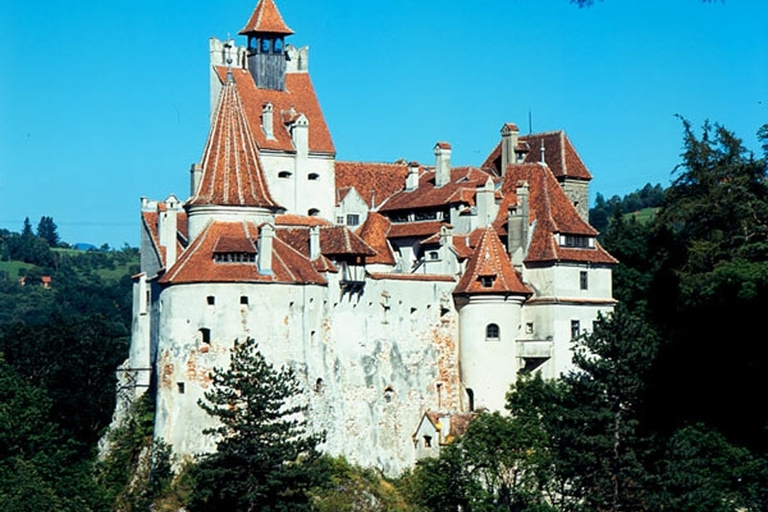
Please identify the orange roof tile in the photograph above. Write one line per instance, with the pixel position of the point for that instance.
(299, 96)
(150, 222)
(490, 260)
(334, 241)
(374, 232)
(197, 264)
(232, 173)
(421, 229)
(375, 182)
(553, 213)
(266, 18)
(461, 189)
(290, 219)
(559, 154)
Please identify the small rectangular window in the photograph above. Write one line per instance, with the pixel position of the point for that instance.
(211, 300)
(206, 335)
(583, 280)
(529, 328)
(575, 329)
(353, 219)
(180, 387)
(244, 300)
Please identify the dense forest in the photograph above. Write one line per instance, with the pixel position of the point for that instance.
(659, 414)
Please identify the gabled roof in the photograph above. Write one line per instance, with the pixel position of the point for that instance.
(490, 260)
(461, 189)
(232, 173)
(334, 241)
(150, 218)
(559, 155)
(375, 182)
(553, 214)
(374, 232)
(197, 264)
(266, 19)
(298, 98)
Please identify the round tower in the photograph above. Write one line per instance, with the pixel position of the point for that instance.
(489, 298)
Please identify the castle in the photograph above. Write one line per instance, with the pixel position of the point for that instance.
(405, 295)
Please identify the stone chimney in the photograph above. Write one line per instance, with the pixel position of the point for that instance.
(446, 236)
(267, 121)
(412, 180)
(517, 227)
(442, 164)
(167, 226)
(314, 243)
(485, 201)
(509, 134)
(195, 175)
(264, 258)
(300, 135)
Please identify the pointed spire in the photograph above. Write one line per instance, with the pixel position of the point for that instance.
(232, 173)
(489, 270)
(266, 19)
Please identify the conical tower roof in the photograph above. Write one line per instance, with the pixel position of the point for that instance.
(490, 271)
(266, 19)
(232, 173)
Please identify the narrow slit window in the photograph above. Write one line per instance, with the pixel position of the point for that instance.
(205, 335)
(583, 280)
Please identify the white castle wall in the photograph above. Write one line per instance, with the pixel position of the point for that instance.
(379, 355)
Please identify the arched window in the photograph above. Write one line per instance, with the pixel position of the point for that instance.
(313, 212)
(313, 176)
(471, 399)
(492, 332)
(284, 174)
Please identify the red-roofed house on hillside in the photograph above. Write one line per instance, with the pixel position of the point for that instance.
(405, 295)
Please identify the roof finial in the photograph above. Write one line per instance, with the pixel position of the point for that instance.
(543, 160)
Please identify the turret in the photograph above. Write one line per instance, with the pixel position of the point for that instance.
(266, 32)
(489, 298)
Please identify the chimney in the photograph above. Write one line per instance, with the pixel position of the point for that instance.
(167, 227)
(442, 164)
(509, 133)
(314, 243)
(264, 258)
(446, 236)
(485, 201)
(195, 175)
(267, 121)
(517, 227)
(300, 135)
(412, 180)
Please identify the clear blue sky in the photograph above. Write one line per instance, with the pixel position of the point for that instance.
(104, 102)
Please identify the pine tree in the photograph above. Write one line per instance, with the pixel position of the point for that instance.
(265, 456)
(47, 230)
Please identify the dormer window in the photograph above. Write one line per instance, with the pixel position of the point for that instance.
(234, 257)
(487, 281)
(578, 241)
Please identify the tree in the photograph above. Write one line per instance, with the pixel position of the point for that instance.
(47, 230)
(711, 286)
(265, 456)
(602, 448)
(27, 229)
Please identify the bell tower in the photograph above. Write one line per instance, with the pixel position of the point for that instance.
(266, 32)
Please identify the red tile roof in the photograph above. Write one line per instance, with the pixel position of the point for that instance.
(300, 220)
(420, 229)
(461, 189)
(150, 222)
(298, 97)
(232, 172)
(553, 213)
(197, 265)
(373, 181)
(490, 260)
(266, 18)
(374, 232)
(334, 241)
(559, 154)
